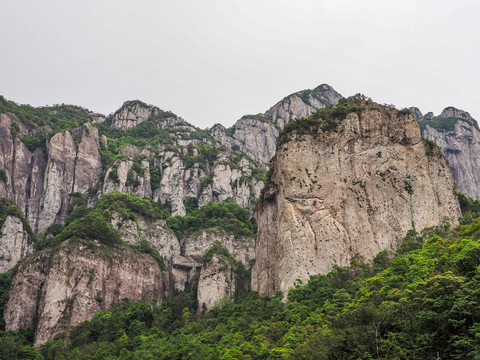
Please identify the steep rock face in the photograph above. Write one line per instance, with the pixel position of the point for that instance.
(182, 256)
(15, 161)
(216, 282)
(68, 170)
(255, 138)
(355, 189)
(131, 114)
(303, 103)
(88, 164)
(209, 181)
(63, 287)
(41, 183)
(460, 142)
(14, 243)
(59, 179)
(153, 231)
(187, 264)
(256, 135)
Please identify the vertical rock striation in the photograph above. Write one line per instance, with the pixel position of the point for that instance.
(15, 243)
(256, 135)
(458, 135)
(347, 187)
(62, 287)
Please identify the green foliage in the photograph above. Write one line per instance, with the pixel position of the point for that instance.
(431, 147)
(92, 226)
(58, 117)
(191, 204)
(5, 282)
(129, 206)
(218, 249)
(470, 208)
(77, 208)
(149, 133)
(224, 216)
(17, 345)
(37, 141)
(145, 247)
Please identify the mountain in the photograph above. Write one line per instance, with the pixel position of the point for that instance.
(142, 205)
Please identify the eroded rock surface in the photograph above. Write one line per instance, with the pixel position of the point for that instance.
(460, 143)
(354, 190)
(63, 287)
(14, 243)
(216, 282)
(256, 135)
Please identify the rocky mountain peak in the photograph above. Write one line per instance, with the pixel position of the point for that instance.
(416, 111)
(303, 103)
(132, 113)
(451, 111)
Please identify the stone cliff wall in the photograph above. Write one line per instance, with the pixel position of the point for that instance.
(356, 189)
(63, 287)
(461, 145)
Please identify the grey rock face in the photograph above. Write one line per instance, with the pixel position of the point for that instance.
(41, 183)
(131, 114)
(461, 145)
(14, 243)
(186, 265)
(216, 282)
(356, 190)
(303, 103)
(183, 257)
(63, 287)
(256, 135)
(59, 179)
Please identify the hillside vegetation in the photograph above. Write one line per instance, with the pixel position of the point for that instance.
(421, 303)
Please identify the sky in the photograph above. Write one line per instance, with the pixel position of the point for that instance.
(212, 61)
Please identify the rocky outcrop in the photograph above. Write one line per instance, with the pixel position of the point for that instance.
(63, 287)
(303, 103)
(132, 113)
(88, 163)
(154, 231)
(216, 282)
(179, 177)
(182, 256)
(186, 266)
(354, 189)
(59, 179)
(459, 138)
(17, 164)
(15, 243)
(256, 135)
(68, 170)
(253, 137)
(41, 182)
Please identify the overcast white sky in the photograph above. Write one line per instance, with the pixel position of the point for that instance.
(215, 60)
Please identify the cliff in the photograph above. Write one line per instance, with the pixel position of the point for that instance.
(349, 180)
(61, 287)
(16, 236)
(458, 135)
